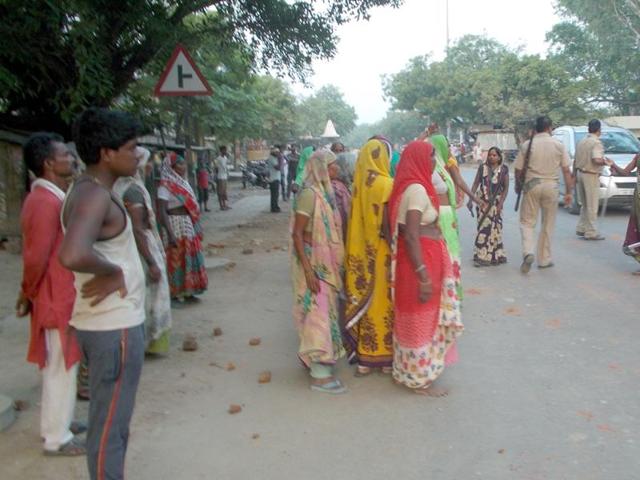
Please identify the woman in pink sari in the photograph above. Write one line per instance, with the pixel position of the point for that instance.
(427, 308)
(316, 273)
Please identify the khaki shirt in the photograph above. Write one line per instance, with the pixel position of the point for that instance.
(588, 148)
(548, 154)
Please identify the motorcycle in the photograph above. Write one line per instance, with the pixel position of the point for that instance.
(255, 174)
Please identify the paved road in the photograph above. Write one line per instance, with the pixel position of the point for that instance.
(546, 388)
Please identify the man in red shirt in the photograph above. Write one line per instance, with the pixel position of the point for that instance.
(48, 292)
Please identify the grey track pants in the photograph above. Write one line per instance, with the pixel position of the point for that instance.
(115, 360)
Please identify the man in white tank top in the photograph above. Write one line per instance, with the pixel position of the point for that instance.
(108, 313)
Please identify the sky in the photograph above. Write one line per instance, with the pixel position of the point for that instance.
(385, 43)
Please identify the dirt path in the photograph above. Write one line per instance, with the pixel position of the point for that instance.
(546, 387)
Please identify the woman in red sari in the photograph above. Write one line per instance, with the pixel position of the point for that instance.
(427, 308)
(180, 217)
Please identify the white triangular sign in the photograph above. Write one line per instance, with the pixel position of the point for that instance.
(330, 131)
(181, 77)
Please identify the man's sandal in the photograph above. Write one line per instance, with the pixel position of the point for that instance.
(77, 427)
(72, 448)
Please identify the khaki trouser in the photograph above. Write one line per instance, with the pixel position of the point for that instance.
(543, 197)
(588, 196)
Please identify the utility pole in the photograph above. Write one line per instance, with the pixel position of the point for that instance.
(447, 22)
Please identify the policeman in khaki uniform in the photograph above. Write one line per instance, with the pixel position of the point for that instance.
(589, 162)
(540, 191)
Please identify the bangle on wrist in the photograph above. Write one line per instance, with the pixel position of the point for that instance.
(420, 268)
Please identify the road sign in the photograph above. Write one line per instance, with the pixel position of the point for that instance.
(181, 77)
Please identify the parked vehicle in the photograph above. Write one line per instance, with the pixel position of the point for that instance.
(256, 174)
(620, 146)
(505, 140)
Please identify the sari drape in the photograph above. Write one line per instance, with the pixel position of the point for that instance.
(369, 309)
(488, 247)
(157, 300)
(448, 219)
(424, 333)
(343, 203)
(185, 261)
(305, 154)
(316, 315)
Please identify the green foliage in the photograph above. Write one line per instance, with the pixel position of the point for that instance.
(59, 57)
(326, 104)
(482, 81)
(276, 107)
(598, 44)
(360, 134)
(399, 127)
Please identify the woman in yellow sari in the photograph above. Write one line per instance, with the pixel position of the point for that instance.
(369, 309)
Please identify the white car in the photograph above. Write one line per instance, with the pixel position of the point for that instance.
(620, 146)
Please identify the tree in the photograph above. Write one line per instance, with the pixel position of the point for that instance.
(58, 57)
(482, 81)
(599, 47)
(600, 15)
(326, 104)
(449, 89)
(276, 107)
(523, 87)
(401, 127)
(359, 135)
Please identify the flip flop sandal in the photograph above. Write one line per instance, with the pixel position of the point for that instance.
(77, 427)
(73, 448)
(386, 370)
(362, 371)
(334, 387)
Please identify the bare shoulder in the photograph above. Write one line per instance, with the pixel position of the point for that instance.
(86, 198)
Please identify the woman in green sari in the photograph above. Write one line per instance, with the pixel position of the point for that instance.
(447, 169)
(305, 154)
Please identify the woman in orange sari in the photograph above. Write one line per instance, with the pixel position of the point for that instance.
(369, 310)
(427, 308)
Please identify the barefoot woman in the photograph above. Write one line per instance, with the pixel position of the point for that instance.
(427, 309)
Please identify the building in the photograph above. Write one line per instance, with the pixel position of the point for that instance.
(631, 123)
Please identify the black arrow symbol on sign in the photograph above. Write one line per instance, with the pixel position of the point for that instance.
(181, 76)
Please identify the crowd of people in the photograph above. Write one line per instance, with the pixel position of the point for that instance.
(376, 267)
(104, 262)
(376, 262)
(375, 258)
